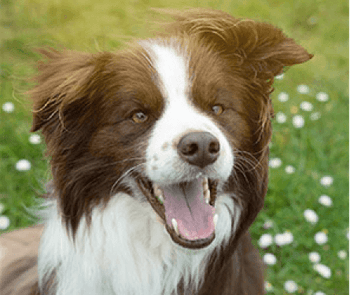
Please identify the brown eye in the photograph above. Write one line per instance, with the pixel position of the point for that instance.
(139, 117)
(217, 109)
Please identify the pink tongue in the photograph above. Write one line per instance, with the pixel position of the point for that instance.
(186, 204)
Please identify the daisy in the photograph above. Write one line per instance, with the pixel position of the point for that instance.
(275, 163)
(281, 118)
(289, 169)
(322, 96)
(323, 270)
(8, 107)
(314, 257)
(4, 222)
(269, 259)
(298, 121)
(306, 106)
(325, 201)
(23, 165)
(321, 238)
(265, 240)
(326, 181)
(311, 216)
(283, 97)
(303, 89)
(290, 286)
(35, 139)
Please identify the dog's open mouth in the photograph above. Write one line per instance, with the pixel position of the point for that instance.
(186, 208)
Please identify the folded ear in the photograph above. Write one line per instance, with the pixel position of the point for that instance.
(256, 46)
(61, 81)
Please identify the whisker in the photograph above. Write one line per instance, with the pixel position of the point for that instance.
(124, 175)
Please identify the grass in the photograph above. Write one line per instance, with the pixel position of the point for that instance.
(318, 149)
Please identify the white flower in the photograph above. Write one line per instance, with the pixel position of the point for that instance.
(288, 237)
(281, 118)
(319, 293)
(322, 96)
(314, 257)
(298, 121)
(265, 240)
(8, 107)
(280, 77)
(23, 165)
(269, 259)
(290, 286)
(268, 287)
(2, 208)
(323, 270)
(325, 201)
(326, 181)
(35, 139)
(306, 106)
(268, 224)
(275, 163)
(4, 222)
(289, 169)
(321, 238)
(284, 239)
(342, 254)
(315, 116)
(303, 89)
(283, 97)
(311, 216)
(279, 239)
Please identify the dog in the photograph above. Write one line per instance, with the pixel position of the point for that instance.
(159, 156)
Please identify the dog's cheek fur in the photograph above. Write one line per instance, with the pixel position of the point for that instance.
(67, 102)
(83, 106)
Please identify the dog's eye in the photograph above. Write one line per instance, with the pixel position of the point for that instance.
(217, 109)
(139, 117)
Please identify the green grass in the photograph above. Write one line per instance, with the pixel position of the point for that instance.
(318, 149)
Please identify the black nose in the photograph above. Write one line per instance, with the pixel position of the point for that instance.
(199, 148)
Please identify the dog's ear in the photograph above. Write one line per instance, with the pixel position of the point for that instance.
(260, 48)
(62, 80)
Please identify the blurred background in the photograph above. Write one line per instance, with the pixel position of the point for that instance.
(303, 231)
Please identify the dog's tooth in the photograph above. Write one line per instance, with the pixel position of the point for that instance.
(215, 219)
(160, 198)
(206, 196)
(205, 181)
(158, 193)
(174, 223)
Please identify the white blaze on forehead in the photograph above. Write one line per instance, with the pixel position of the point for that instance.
(171, 66)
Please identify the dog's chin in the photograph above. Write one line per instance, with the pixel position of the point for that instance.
(186, 209)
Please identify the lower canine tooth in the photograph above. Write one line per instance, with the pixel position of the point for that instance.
(207, 196)
(158, 193)
(160, 197)
(174, 223)
(215, 219)
(205, 184)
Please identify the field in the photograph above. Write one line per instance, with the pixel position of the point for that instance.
(302, 233)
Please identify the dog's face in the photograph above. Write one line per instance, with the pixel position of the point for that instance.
(179, 122)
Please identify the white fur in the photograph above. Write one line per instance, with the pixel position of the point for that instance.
(127, 251)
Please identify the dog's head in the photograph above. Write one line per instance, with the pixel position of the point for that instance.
(181, 121)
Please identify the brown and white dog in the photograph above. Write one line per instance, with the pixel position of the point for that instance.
(159, 157)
